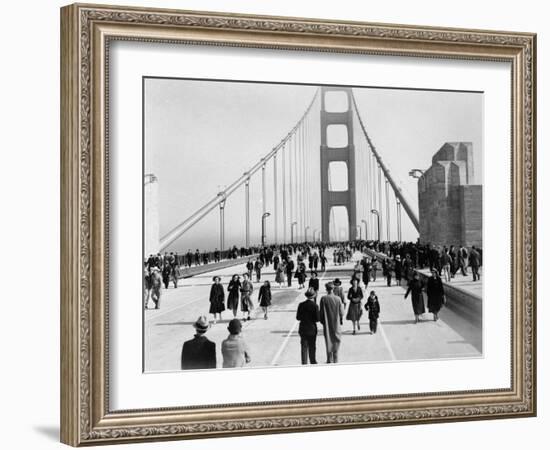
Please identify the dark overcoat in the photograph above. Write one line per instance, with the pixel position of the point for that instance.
(217, 298)
(233, 297)
(417, 299)
(436, 294)
(198, 353)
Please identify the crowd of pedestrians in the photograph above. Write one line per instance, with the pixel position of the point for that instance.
(300, 263)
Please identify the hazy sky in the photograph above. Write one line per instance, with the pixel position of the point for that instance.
(202, 135)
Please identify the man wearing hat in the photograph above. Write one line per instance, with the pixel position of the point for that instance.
(397, 268)
(199, 352)
(234, 349)
(331, 314)
(308, 315)
(314, 281)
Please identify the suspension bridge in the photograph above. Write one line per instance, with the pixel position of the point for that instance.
(323, 183)
(355, 186)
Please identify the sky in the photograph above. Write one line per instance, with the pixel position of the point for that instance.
(202, 135)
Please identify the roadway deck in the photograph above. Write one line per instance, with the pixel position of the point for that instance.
(275, 341)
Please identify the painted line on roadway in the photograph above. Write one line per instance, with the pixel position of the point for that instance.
(387, 342)
(283, 345)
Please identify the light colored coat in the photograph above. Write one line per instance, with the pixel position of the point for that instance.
(332, 313)
(235, 351)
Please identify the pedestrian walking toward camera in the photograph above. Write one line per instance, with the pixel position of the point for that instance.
(199, 352)
(249, 268)
(289, 270)
(372, 306)
(308, 316)
(386, 270)
(397, 268)
(417, 299)
(355, 296)
(374, 268)
(314, 282)
(264, 297)
(339, 290)
(258, 269)
(445, 261)
(166, 270)
(235, 350)
(233, 297)
(331, 315)
(156, 286)
(246, 301)
(301, 275)
(217, 298)
(435, 293)
(279, 274)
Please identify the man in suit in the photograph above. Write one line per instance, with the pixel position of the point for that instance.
(308, 315)
(199, 352)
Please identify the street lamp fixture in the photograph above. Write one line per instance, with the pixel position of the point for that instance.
(377, 214)
(292, 225)
(264, 216)
(416, 173)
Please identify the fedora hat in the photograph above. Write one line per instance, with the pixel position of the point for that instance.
(202, 324)
(337, 282)
(310, 293)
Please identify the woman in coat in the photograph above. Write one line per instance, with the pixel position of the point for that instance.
(417, 299)
(246, 302)
(339, 290)
(217, 298)
(279, 274)
(436, 294)
(355, 295)
(301, 275)
(373, 308)
(233, 297)
(264, 297)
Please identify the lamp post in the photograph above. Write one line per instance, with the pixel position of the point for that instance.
(223, 198)
(377, 214)
(358, 227)
(366, 229)
(264, 216)
(292, 225)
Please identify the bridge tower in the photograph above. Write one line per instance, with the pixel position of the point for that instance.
(338, 123)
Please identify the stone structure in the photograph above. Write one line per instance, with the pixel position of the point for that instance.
(450, 201)
(345, 154)
(151, 230)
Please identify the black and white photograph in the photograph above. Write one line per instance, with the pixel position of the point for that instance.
(294, 224)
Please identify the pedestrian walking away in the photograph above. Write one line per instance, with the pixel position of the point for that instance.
(308, 316)
(331, 315)
(199, 352)
(235, 350)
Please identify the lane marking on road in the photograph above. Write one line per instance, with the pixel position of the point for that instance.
(292, 330)
(163, 313)
(386, 342)
(283, 345)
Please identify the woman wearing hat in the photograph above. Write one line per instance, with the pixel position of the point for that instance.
(264, 297)
(417, 299)
(355, 295)
(233, 298)
(280, 273)
(397, 267)
(246, 302)
(217, 298)
(339, 290)
(234, 349)
(436, 294)
(314, 282)
(301, 274)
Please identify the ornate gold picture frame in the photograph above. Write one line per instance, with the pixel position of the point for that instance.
(87, 31)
